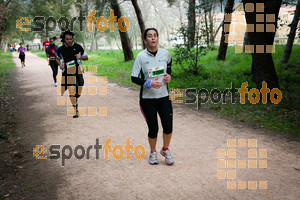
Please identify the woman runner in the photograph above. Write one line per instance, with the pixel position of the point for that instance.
(51, 51)
(152, 71)
(21, 51)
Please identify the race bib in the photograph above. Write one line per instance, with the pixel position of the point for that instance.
(72, 67)
(157, 71)
(71, 63)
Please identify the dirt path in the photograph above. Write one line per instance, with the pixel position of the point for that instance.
(197, 136)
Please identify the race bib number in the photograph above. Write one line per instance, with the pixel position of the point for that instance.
(72, 68)
(157, 71)
(71, 63)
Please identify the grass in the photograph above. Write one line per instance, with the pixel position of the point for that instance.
(41, 54)
(6, 64)
(236, 69)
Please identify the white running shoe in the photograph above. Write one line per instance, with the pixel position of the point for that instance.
(153, 159)
(55, 84)
(168, 157)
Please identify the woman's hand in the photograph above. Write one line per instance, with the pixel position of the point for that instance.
(155, 84)
(61, 66)
(167, 78)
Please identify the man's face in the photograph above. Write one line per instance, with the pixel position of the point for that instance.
(51, 42)
(69, 40)
(47, 39)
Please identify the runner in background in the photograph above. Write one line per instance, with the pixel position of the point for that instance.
(71, 53)
(21, 51)
(17, 47)
(46, 43)
(51, 51)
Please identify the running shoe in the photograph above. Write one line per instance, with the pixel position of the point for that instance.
(55, 84)
(168, 157)
(153, 159)
(76, 114)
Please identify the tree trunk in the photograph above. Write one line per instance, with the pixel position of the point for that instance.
(206, 23)
(99, 8)
(93, 38)
(180, 13)
(96, 41)
(164, 23)
(127, 51)
(139, 16)
(263, 68)
(3, 17)
(191, 23)
(5, 43)
(216, 33)
(223, 45)
(292, 34)
(246, 41)
(211, 24)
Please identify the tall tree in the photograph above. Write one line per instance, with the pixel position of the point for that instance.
(191, 14)
(3, 17)
(99, 6)
(127, 51)
(176, 3)
(263, 68)
(292, 34)
(223, 45)
(163, 22)
(140, 19)
(207, 11)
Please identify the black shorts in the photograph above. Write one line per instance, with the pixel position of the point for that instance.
(22, 57)
(74, 80)
(162, 106)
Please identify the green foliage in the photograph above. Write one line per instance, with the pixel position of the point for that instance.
(6, 64)
(16, 9)
(171, 2)
(220, 74)
(188, 58)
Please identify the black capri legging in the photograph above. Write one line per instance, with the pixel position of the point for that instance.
(22, 57)
(54, 67)
(79, 81)
(162, 106)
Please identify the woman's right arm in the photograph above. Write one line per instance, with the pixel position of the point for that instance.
(136, 70)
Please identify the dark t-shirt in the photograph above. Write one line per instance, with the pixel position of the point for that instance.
(68, 53)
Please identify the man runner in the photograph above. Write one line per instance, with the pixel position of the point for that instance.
(72, 54)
